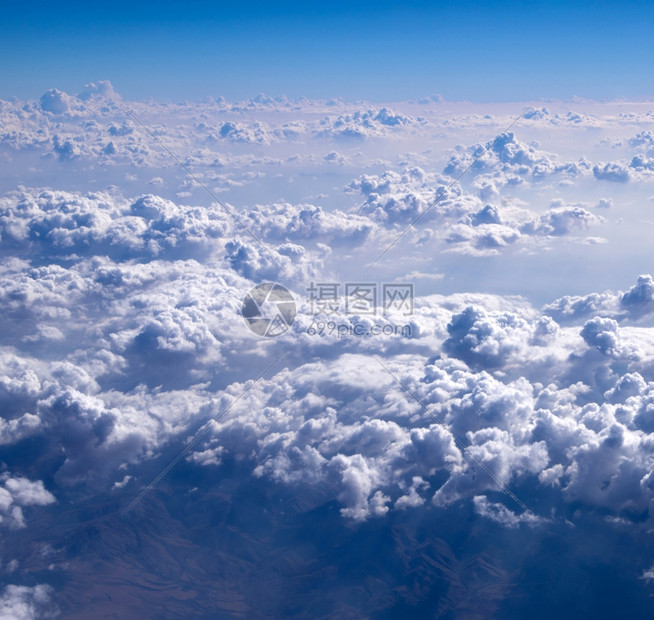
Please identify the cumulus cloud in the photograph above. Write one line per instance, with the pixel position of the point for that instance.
(485, 340)
(501, 514)
(308, 224)
(60, 223)
(639, 167)
(445, 211)
(102, 88)
(17, 493)
(399, 198)
(602, 334)
(634, 303)
(562, 221)
(366, 123)
(507, 160)
(27, 603)
(55, 101)
(639, 297)
(238, 132)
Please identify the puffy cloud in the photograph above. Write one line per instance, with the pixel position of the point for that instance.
(26, 493)
(575, 307)
(561, 221)
(487, 215)
(507, 160)
(635, 302)
(639, 297)
(485, 340)
(641, 166)
(60, 223)
(608, 470)
(602, 334)
(642, 138)
(308, 223)
(501, 514)
(536, 113)
(17, 493)
(289, 262)
(399, 198)
(630, 384)
(12, 431)
(357, 484)
(366, 123)
(611, 172)
(642, 163)
(450, 213)
(257, 133)
(501, 456)
(55, 101)
(126, 128)
(101, 89)
(482, 239)
(27, 603)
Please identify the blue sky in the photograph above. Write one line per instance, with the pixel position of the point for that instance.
(381, 51)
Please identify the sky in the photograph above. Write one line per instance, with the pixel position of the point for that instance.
(378, 51)
(210, 405)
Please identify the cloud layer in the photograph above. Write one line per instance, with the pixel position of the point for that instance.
(122, 340)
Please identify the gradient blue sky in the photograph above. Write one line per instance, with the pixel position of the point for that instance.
(380, 51)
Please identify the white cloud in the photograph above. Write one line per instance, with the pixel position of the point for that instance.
(55, 101)
(27, 603)
(562, 221)
(17, 493)
(502, 515)
(507, 160)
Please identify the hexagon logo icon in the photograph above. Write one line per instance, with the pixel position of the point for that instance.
(269, 309)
